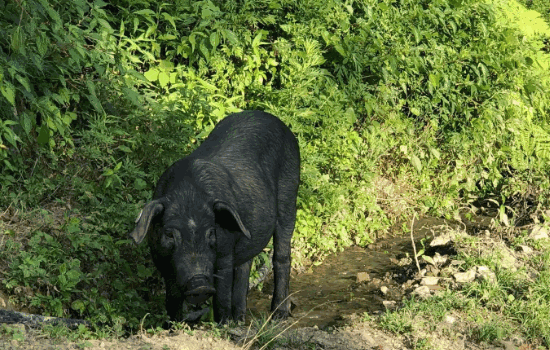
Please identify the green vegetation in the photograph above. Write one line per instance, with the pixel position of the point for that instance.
(399, 106)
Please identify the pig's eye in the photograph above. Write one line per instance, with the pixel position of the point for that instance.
(211, 236)
(167, 239)
(169, 233)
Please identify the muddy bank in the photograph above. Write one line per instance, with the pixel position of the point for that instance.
(354, 281)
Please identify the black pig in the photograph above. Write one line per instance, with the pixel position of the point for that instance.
(217, 208)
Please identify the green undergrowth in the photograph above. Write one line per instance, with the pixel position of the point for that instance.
(399, 106)
(517, 304)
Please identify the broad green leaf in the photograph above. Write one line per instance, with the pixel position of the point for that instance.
(145, 12)
(152, 74)
(132, 95)
(105, 24)
(340, 50)
(125, 149)
(9, 92)
(164, 79)
(24, 81)
(95, 102)
(26, 120)
(428, 259)
(192, 41)
(166, 65)
(530, 88)
(170, 19)
(416, 163)
(204, 50)
(434, 79)
(435, 153)
(167, 37)
(173, 77)
(229, 35)
(257, 40)
(214, 40)
(44, 135)
(207, 85)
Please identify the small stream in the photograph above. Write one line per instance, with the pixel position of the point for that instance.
(330, 291)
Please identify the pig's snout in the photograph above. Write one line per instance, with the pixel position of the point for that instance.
(198, 290)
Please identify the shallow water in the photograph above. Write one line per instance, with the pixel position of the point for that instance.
(329, 292)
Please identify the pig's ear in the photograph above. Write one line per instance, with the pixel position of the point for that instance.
(228, 217)
(143, 222)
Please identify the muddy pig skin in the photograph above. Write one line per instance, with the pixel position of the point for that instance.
(217, 208)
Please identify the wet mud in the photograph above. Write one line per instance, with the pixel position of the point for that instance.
(354, 281)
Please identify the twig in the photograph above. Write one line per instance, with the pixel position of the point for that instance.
(414, 245)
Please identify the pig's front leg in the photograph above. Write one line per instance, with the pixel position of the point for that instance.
(224, 286)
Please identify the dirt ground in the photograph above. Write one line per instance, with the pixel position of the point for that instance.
(358, 336)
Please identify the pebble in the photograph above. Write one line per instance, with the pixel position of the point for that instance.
(440, 241)
(363, 277)
(465, 277)
(539, 232)
(423, 292)
(485, 274)
(384, 290)
(525, 249)
(429, 281)
(439, 259)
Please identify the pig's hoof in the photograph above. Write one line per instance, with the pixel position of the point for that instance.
(280, 315)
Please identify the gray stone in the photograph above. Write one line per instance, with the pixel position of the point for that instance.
(539, 232)
(465, 277)
(422, 292)
(446, 238)
(440, 240)
(525, 249)
(384, 290)
(363, 277)
(507, 345)
(429, 281)
(457, 262)
(389, 304)
(439, 259)
(506, 259)
(483, 273)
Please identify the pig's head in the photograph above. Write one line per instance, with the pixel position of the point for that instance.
(185, 234)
